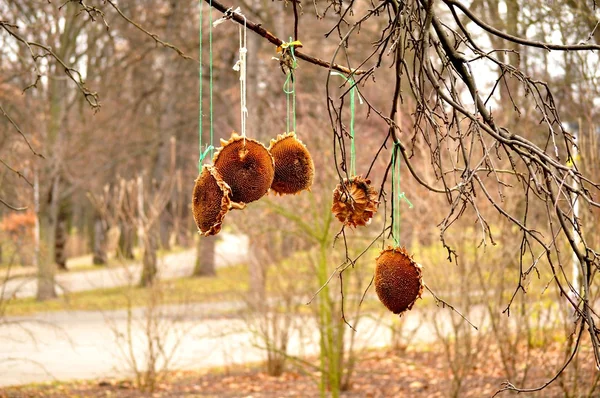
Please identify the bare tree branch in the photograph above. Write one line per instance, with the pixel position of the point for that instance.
(152, 35)
(519, 40)
(12, 207)
(16, 126)
(256, 28)
(73, 74)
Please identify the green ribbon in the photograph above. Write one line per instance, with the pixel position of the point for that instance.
(208, 149)
(202, 155)
(210, 78)
(290, 81)
(353, 93)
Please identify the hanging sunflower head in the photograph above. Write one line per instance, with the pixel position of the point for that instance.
(354, 201)
(210, 201)
(398, 280)
(294, 168)
(246, 166)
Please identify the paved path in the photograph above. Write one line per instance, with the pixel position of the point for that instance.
(230, 249)
(90, 345)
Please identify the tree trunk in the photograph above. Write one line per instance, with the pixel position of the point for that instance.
(126, 237)
(55, 132)
(181, 214)
(100, 257)
(184, 235)
(166, 123)
(46, 265)
(205, 256)
(165, 226)
(149, 266)
(60, 240)
(258, 278)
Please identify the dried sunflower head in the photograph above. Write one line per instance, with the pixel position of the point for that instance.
(294, 168)
(246, 166)
(354, 201)
(210, 201)
(398, 280)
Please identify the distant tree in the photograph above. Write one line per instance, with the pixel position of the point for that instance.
(205, 257)
(64, 50)
(419, 67)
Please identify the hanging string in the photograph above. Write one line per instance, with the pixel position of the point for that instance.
(353, 94)
(290, 81)
(243, 53)
(397, 196)
(201, 155)
(240, 65)
(352, 147)
(210, 78)
(210, 148)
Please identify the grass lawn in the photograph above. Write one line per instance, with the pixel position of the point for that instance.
(293, 276)
(228, 284)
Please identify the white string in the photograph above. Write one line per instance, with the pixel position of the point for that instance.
(226, 16)
(243, 53)
(240, 65)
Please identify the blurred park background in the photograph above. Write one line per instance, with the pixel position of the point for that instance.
(105, 280)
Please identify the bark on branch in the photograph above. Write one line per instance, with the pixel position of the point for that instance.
(258, 29)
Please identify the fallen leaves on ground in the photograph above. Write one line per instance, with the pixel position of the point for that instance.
(380, 373)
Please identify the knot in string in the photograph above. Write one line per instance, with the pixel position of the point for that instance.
(208, 149)
(289, 63)
(402, 196)
(227, 15)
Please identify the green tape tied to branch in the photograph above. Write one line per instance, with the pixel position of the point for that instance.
(397, 196)
(289, 87)
(353, 94)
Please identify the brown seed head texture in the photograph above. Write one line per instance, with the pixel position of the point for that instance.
(294, 168)
(246, 166)
(356, 204)
(210, 201)
(398, 280)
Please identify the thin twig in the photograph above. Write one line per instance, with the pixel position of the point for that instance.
(445, 304)
(146, 32)
(11, 121)
(15, 208)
